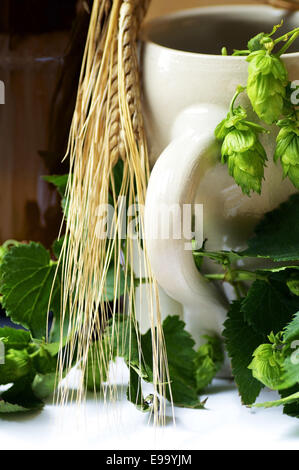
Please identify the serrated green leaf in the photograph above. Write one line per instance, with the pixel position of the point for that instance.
(291, 332)
(291, 408)
(17, 365)
(181, 362)
(242, 340)
(44, 362)
(290, 374)
(21, 394)
(277, 235)
(9, 408)
(57, 247)
(14, 338)
(114, 288)
(59, 181)
(134, 392)
(96, 369)
(27, 275)
(293, 285)
(269, 305)
(136, 349)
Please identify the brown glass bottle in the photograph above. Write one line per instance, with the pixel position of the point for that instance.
(34, 36)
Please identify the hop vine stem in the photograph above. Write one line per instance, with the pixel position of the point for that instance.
(289, 43)
(286, 36)
(239, 91)
(236, 275)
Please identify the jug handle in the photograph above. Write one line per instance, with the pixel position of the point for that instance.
(173, 183)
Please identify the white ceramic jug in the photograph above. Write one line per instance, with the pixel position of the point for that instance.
(188, 87)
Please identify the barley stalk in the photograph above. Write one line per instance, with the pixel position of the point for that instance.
(107, 126)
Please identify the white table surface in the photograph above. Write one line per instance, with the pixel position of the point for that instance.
(225, 424)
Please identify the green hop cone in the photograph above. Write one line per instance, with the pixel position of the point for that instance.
(257, 43)
(263, 40)
(287, 149)
(267, 82)
(267, 365)
(230, 122)
(209, 360)
(242, 150)
(17, 365)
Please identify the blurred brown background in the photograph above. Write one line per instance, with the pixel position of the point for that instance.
(160, 7)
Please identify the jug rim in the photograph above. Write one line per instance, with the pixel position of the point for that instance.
(149, 25)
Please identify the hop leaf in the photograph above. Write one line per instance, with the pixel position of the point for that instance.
(267, 82)
(287, 149)
(242, 150)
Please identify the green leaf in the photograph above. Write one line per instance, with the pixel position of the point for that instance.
(181, 362)
(116, 182)
(134, 392)
(21, 394)
(9, 408)
(293, 285)
(209, 360)
(96, 370)
(43, 361)
(60, 181)
(125, 341)
(114, 288)
(242, 340)
(291, 332)
(290, 376)
(136, 349)
(291, 408)
(118, 173)
(43, 386)
(17, 365)
(5, 248)
(57, 247)
(290, 373)
(269, 306)
(277, 235)
(14, 338)
(27, 275)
